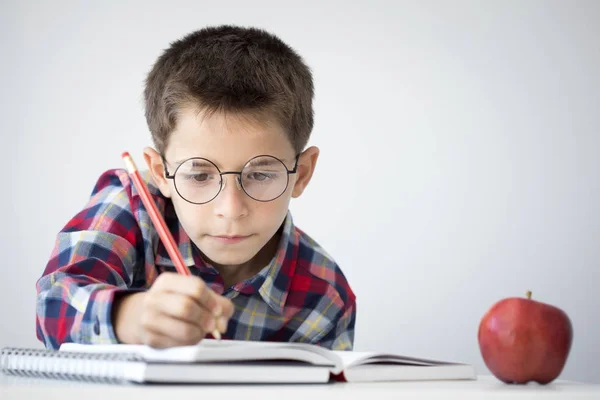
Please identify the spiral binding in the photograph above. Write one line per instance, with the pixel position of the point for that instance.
(68, 365)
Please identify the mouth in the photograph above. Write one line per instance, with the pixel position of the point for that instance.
(229, 239)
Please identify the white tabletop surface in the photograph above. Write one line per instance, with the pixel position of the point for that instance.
(485, 387)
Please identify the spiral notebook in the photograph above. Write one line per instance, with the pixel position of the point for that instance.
(228, 361)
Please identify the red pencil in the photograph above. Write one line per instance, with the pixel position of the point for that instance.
(158, 221)
(155, 216)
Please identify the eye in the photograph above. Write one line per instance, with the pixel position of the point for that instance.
(259, 176)
(199, 178)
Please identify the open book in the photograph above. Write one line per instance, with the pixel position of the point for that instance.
(213, 361)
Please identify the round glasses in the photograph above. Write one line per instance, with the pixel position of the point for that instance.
(263, 178)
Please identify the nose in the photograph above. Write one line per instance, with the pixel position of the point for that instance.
(231, 203)
(237, 181)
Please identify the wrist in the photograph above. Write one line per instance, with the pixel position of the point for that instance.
(127, 308)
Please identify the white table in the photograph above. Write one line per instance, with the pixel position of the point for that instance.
(485, 387)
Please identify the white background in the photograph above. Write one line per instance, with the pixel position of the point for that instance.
(460, 150)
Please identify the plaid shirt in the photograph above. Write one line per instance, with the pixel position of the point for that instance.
(112, 246)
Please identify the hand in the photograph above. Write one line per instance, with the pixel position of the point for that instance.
(178, 310)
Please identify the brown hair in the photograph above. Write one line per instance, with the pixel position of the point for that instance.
(233, 70)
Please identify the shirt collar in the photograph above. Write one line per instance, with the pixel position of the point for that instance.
(278, 274)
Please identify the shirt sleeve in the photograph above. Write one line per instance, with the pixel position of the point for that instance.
(341, 337)
(95, 256)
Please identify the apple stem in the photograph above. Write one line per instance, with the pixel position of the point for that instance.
(529, 294)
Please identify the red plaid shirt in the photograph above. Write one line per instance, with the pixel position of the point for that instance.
(111, 246)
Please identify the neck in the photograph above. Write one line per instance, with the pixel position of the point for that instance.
(233, 274)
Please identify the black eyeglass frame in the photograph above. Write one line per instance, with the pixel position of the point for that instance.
(238, 173)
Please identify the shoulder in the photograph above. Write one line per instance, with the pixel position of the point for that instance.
(314, 261)
(115, 187)
(118, 180)
(114, 199)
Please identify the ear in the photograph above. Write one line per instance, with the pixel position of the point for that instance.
(306, 166)
(157, 170)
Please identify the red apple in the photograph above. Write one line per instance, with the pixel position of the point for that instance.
(523, 340)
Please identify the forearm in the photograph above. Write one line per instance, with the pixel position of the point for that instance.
(75, 301)
(70, 311)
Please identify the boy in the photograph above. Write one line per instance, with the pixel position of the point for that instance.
(230, 113)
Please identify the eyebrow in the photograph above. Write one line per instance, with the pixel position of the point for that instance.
(263, 163)
(195, 163)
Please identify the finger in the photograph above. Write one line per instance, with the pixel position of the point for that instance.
(177, 330)
(226, 305)
(163, 280)
(158, 340)
(192, 286)
(222, 323)
(183, 308)
(227, 311)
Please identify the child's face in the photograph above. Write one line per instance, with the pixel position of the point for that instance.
(232, 229)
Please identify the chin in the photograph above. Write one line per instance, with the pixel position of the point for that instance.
(222, 258)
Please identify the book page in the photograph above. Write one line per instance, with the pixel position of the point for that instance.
(175, 353)
(350, 358)
(354, 358)
(211, 350)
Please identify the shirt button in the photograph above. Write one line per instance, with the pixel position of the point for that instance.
(97, 326)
